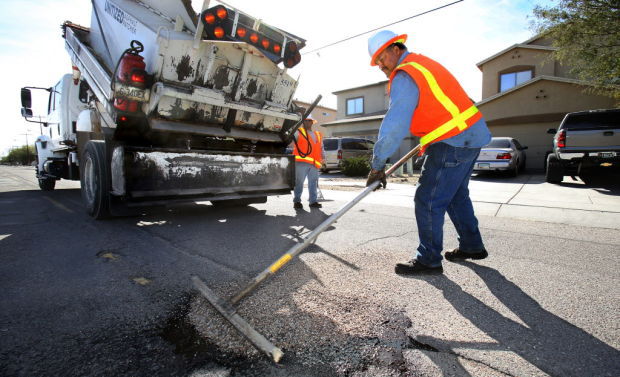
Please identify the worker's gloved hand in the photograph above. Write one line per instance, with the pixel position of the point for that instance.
(377, 175)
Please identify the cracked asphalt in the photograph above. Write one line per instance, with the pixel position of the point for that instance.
(87, 298)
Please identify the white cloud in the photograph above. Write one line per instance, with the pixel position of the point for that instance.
(32, 50)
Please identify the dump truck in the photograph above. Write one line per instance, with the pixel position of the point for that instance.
(164, 104)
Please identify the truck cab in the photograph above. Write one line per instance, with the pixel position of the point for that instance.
(56, 147)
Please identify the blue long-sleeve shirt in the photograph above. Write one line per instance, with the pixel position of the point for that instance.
(404, 97)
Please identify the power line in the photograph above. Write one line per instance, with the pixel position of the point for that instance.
(381, 27)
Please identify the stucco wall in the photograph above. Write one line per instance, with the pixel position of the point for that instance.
(358, 129)
(375, 99)
(544, 100)
(515, 59)
(319, 113)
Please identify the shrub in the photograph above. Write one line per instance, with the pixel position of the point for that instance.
(356, 166)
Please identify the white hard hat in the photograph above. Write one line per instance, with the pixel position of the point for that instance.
(310, 117)
(380, 40)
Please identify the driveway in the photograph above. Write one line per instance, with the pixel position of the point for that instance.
(526, 197)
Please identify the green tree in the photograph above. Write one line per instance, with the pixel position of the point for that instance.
(23, 155)
(587, 34)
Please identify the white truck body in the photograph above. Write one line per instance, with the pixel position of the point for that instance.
(213, 121)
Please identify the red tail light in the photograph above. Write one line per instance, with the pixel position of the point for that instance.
(254, 38)
(138, 77)
(241, 32)
(265, 43)
(561, 139)
(221, 12)
(209, 18)
(504, 156)
(219, 32)
(291, 55)
(340, 154)
(131, 70)
(277, 48)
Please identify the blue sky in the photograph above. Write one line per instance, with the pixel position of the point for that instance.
(32, 49)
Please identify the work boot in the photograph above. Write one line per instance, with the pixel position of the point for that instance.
(413, 267)
(457, 255)
(316, 205)
(298, 205)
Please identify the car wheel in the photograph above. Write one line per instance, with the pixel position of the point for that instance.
(515, 171)
(554, 172)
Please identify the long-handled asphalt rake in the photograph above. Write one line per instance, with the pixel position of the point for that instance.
(227, 308)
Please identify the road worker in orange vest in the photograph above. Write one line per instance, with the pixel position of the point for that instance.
(309, 157)
(428, 102)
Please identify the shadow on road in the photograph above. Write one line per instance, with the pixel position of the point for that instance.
(87, 297)
(552, 344)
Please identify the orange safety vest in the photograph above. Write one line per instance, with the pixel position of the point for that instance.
(314, 157)
(444, 109)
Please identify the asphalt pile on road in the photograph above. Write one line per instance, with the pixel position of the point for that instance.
(322, 332)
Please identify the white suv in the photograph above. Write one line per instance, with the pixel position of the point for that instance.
(340, 148)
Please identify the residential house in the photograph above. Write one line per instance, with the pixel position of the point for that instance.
(322, 114)
(360, 112)
(524, 93)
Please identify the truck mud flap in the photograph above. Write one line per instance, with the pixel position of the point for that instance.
(143, 174)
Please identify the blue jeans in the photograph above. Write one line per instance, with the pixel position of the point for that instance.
(303, 170)
(443, 187)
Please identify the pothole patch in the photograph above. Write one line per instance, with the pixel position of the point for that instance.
(108, 255)
(141, 280)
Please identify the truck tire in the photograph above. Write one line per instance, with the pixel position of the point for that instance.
(47, 184)
(95, 180)
(555, 171)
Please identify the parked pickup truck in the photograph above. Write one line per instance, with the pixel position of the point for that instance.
(586, 144)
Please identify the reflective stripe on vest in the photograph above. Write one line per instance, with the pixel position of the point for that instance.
(309, 159)
(458, 118)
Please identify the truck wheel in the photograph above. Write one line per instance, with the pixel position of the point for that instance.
(554, 172)
(47, 184)
(95, 180)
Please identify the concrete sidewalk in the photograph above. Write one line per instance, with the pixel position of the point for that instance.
(527, 197)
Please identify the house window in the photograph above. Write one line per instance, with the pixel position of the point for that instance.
(512, 79)
(355, 106)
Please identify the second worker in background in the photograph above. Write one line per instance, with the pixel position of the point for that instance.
(309, 156)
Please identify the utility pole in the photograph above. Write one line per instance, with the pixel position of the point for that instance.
(27, 149)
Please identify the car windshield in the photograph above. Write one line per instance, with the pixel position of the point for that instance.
(330, 144)
(357, 144)
(498, 143)
(609, 119)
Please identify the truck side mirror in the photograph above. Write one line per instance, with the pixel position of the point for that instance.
(26, 103)
(26, 113)
(83, 92)
(551, 131)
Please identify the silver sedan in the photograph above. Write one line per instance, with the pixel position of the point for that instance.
(502, 154)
